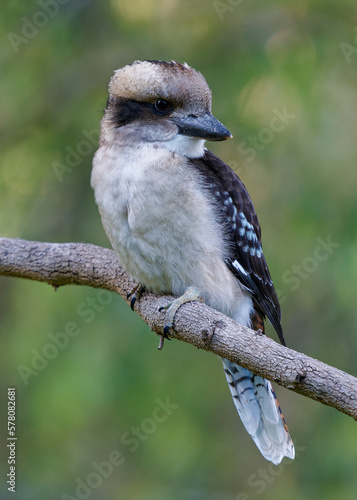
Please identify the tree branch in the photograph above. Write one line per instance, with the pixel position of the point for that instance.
(84, 264)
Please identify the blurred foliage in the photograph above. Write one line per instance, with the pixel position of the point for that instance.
(259, 59)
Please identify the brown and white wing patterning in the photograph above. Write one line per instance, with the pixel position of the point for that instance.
(247, 260)
(253, 396)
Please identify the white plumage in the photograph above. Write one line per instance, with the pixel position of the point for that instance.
(256, 404)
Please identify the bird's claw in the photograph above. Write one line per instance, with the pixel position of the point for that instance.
(172, 308)
(135, 295)
(165, 335)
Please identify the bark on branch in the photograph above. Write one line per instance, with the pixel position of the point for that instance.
(195, 323)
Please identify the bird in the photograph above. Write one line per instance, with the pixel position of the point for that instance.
(182, 222)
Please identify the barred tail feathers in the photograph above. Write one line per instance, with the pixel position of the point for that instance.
(260, 412)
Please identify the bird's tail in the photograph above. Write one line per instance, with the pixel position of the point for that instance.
(260, 412)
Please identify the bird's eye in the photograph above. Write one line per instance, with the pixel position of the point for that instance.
(162, 105)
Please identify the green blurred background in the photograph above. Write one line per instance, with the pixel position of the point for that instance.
(260, 59)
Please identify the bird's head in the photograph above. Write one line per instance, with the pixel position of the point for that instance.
(161, 102)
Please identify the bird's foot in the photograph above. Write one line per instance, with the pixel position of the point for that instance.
(135, 295)
(171, 309)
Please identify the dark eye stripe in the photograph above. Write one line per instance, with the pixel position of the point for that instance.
(124, 111)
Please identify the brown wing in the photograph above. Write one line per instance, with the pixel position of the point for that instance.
(236, 211)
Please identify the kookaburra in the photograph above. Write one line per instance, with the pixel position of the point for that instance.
(182, 222)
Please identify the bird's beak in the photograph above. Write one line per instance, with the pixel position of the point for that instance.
(204, 127)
